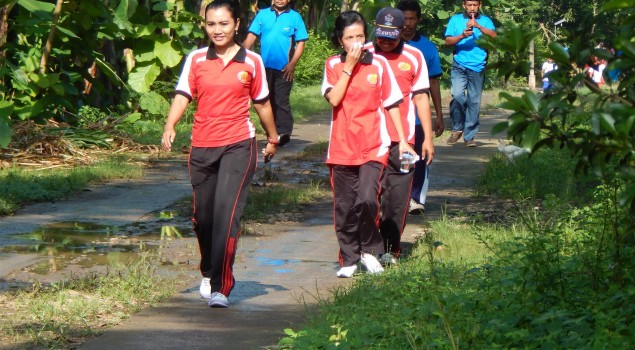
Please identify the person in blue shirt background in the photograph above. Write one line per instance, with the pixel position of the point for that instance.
(468, 69)
(282, 36)
(409, 34)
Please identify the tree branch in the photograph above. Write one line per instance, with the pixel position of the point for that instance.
(49, 42)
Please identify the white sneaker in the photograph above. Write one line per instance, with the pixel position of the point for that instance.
(416, 208)
(388, 259)
(347, 271)
(205, 289)
(372, 264)
(218, 300)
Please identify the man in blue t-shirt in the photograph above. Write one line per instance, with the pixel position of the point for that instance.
(282, 36)
(412, 17)
(468, 69)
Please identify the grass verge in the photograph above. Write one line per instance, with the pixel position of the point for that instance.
(283, 200)
(19, 186)
(58, 315)
(553, 274)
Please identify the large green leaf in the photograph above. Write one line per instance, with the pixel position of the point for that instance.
(124, 11)
(443, 14)
(154, 103)
(602, 122)
(5, 133)
(6, 108)
(67, 32)
(144, 51)
(142, 77)
(41, 9)
(109, 71)
(531, 135)
(167, 54)
(560, 54)
(618, 4)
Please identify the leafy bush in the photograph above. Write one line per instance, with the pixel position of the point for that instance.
(310, 68)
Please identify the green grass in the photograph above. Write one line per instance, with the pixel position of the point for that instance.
(149, 132)
(401, 309)
(306, 101)
(280, 198)
(549, 276)
(316, 150)
(19, 186)
(546, 172)
(56, 316)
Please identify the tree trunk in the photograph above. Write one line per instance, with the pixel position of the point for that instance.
(49, 42)
(532, 73)
(4, 26)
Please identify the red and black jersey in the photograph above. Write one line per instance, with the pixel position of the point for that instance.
(411, 72)
(358, 126)
(224, 93)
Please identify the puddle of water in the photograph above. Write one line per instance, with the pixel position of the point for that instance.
(85, 244)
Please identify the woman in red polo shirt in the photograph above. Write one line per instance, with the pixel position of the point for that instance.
(224, 78)
(359, 85)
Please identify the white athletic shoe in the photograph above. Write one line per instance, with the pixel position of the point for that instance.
(416, 208)
(347, 271)
(205, 289)
(218, 300)
(372, 264)
(387, 259)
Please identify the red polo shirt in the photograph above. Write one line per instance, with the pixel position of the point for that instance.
(358, 126)
(224, 93)
(411, 72)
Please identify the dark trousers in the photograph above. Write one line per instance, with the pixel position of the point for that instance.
(395, 197)
(356, 210)
(420, 177)
(220, 178)
(279, 92)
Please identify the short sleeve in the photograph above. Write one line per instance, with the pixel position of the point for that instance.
(186, 85)
(420, 81)
(259, 89)
(300, 30)
(433, 64)
(453, 28)
(330, 77)
(256, 24)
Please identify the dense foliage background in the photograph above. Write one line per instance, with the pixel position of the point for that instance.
(58, 56)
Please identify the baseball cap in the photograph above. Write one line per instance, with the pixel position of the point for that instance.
(389, 23)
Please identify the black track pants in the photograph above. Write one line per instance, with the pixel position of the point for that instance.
(279, 93)
(220, 178)
(356, 210)
(395, 198)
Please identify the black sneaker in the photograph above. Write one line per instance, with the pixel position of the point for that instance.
(284, 139)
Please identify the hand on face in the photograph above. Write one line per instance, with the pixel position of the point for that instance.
(355, 49)
(352, 41)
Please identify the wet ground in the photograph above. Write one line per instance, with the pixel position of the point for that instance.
(282, 272)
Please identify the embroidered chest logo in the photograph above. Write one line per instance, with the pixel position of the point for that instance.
(243, 77)
(372, 78)
(404, 66)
